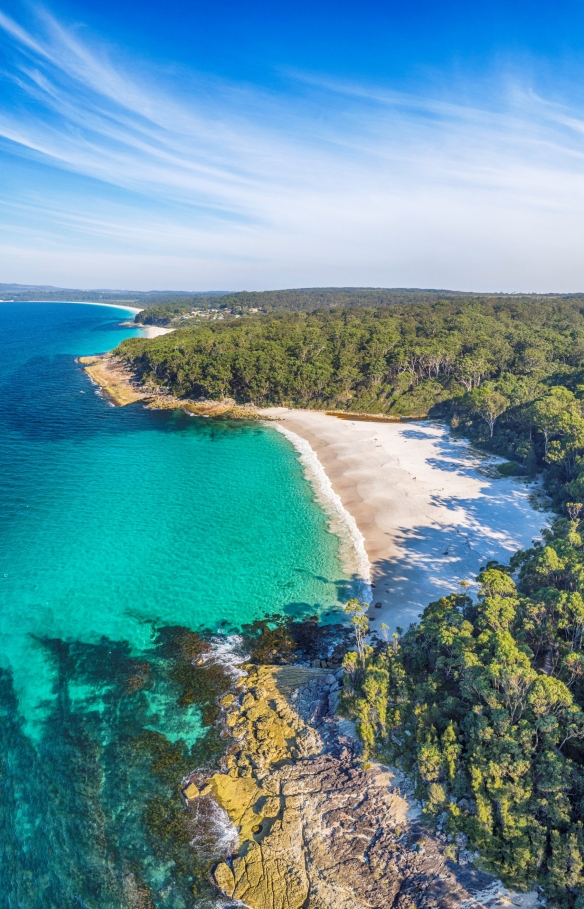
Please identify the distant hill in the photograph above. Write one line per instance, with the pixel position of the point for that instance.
(26, 288)
(165, 307)
(29, 293)
(313, 299)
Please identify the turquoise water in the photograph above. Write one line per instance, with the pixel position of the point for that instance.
(117, 526)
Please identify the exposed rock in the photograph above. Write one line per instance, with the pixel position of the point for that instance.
(122, 386)
(191, 791)
(113, 377)
(316, 829)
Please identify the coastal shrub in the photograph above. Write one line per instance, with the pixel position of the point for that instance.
(511, 469)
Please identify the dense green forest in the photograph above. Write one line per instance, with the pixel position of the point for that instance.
(310, 299)
(509, 374)
(480, 702)
(173, 311)
(404, 360)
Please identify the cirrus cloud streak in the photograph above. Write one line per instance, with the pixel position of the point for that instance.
(116, 173)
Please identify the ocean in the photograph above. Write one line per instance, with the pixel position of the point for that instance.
(123, 531)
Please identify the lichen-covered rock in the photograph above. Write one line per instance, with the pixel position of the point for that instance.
(316, 830)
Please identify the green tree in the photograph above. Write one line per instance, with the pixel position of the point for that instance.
(489, 404)
(357, 610)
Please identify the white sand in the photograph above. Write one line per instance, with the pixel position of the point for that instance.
(108, 305)
(150, 331)
(429, 509)
(154, 331)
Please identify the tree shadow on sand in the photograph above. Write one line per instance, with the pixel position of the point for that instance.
(432, 560)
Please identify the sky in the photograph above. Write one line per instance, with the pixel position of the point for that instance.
(261, 145)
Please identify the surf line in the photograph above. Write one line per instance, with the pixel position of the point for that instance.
(353, 553)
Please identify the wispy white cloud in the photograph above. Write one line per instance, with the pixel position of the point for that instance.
(180, 180)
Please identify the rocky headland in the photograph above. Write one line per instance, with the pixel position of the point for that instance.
(123, 387)
(317, 827)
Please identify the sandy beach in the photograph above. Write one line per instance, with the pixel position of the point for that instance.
(430, 510)
(134, 309)
(154, 331)
(150, 331)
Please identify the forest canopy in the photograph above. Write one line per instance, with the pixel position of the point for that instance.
(399, 360)
(166, 309)
(481, 702)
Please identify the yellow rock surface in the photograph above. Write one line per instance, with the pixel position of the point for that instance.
(238, 795)
(268, 871)
(113, 378)
(191, 791)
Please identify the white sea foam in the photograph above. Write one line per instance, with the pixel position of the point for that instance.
(215, 836)
(227, 833)
(227, 650)
(353, 554)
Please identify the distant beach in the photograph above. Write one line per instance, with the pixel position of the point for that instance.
(150, 331)
(134, 309)
(153, 331)
(430, 511)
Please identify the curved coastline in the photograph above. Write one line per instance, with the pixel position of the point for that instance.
(134, 309)
(353, 554)
(425, 510)
(150, 331)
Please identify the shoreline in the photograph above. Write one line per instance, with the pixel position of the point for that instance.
(120, 386)
(422, 510)
(416, 511)
(293, 768)
(133, 309)
(150, 331)
(114, 381)
(153, 331)
(429, 510)
(341, 522)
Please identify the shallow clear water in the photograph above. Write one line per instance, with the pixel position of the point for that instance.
(116, 523)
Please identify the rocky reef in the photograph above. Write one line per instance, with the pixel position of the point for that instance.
(317, 828)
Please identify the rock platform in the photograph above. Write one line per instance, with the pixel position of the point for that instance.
(122, 387)
(317, 828)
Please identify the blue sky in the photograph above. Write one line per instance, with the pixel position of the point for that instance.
(226, 145)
